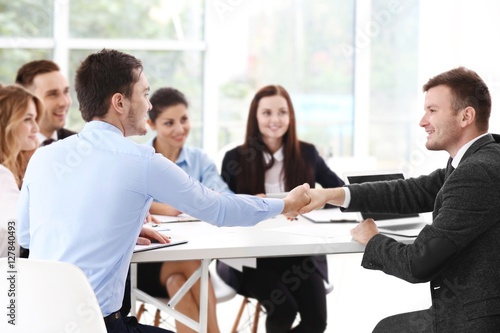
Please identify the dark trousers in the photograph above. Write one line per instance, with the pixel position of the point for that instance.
(127, 296)
(410, 322)
(129, 324)
(284, 291)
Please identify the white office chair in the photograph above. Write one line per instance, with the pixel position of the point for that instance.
(50, 297)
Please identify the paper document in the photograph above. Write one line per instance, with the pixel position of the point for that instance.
(179, 218)
(320, 231)
(331, 215)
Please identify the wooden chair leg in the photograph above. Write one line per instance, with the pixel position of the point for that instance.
(157, 317)
(238, 317)
(139, 312)
(256, 318)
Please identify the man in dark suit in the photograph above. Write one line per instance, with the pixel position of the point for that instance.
(459, 253)
(44, 79)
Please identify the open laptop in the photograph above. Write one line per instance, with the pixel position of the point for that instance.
(408, 225)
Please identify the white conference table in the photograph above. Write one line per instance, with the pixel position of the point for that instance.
(275, 237)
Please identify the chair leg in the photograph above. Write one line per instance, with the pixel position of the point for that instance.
(238, 317)
(256, 318)
(139, 312)
(157, 317)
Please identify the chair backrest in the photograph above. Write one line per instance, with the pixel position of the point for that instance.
(223, 292)
(49, 297)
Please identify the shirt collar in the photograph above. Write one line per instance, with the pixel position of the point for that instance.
(183, 155)
(278, 156)
(41, 138)
(101, 125)
(461, 152)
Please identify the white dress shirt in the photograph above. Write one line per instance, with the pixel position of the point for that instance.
(41, 138)
(274, 176)
(9, 194)
(84, 201)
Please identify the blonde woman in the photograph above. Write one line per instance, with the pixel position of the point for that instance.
(19, 113)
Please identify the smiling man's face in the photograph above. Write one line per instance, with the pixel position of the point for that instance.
(53, 89)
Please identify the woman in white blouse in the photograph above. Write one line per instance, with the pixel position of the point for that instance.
(19, 113)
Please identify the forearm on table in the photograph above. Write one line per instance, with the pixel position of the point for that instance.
(158, 208)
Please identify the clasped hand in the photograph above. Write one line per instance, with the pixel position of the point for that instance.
(362, 233)
(295, 200)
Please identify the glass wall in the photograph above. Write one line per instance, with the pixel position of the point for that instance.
(219, 53)
(138, 19)
(394, 87)
(295, 44)
(159, 32)
(20, 23)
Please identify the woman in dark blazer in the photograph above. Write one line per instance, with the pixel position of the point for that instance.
(272, 159)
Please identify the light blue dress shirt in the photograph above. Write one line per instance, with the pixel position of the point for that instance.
(196, 163)
(84, 200)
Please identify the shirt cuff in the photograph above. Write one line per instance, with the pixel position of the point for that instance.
(347, 198)
(276, 206)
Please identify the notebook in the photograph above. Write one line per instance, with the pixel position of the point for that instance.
(407, 225)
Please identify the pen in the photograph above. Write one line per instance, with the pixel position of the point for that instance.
(181, 220)
(158, 226)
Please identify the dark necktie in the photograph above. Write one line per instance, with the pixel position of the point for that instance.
(449, 168)
(47, 142)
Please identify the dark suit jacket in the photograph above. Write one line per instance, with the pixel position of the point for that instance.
(460, 252)
(322, 174)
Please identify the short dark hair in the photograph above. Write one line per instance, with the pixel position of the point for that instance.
(26, 74)
(100, 76)
(467, 89)
(164, 98)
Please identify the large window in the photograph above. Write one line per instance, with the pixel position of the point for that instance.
(166, 35)
(295, 44)
(21, 22)
(219, 53)
(393, 81)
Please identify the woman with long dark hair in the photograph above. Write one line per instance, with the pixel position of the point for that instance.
(272, 159)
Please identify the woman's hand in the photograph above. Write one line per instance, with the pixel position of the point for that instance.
(151, 218)
(148, 234)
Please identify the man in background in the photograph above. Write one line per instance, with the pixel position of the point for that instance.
(44, 79)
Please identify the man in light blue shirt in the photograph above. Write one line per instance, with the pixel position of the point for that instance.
(84, 199)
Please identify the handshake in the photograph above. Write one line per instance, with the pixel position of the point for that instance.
(303, 199)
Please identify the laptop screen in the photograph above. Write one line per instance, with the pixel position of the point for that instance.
(356, 179)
